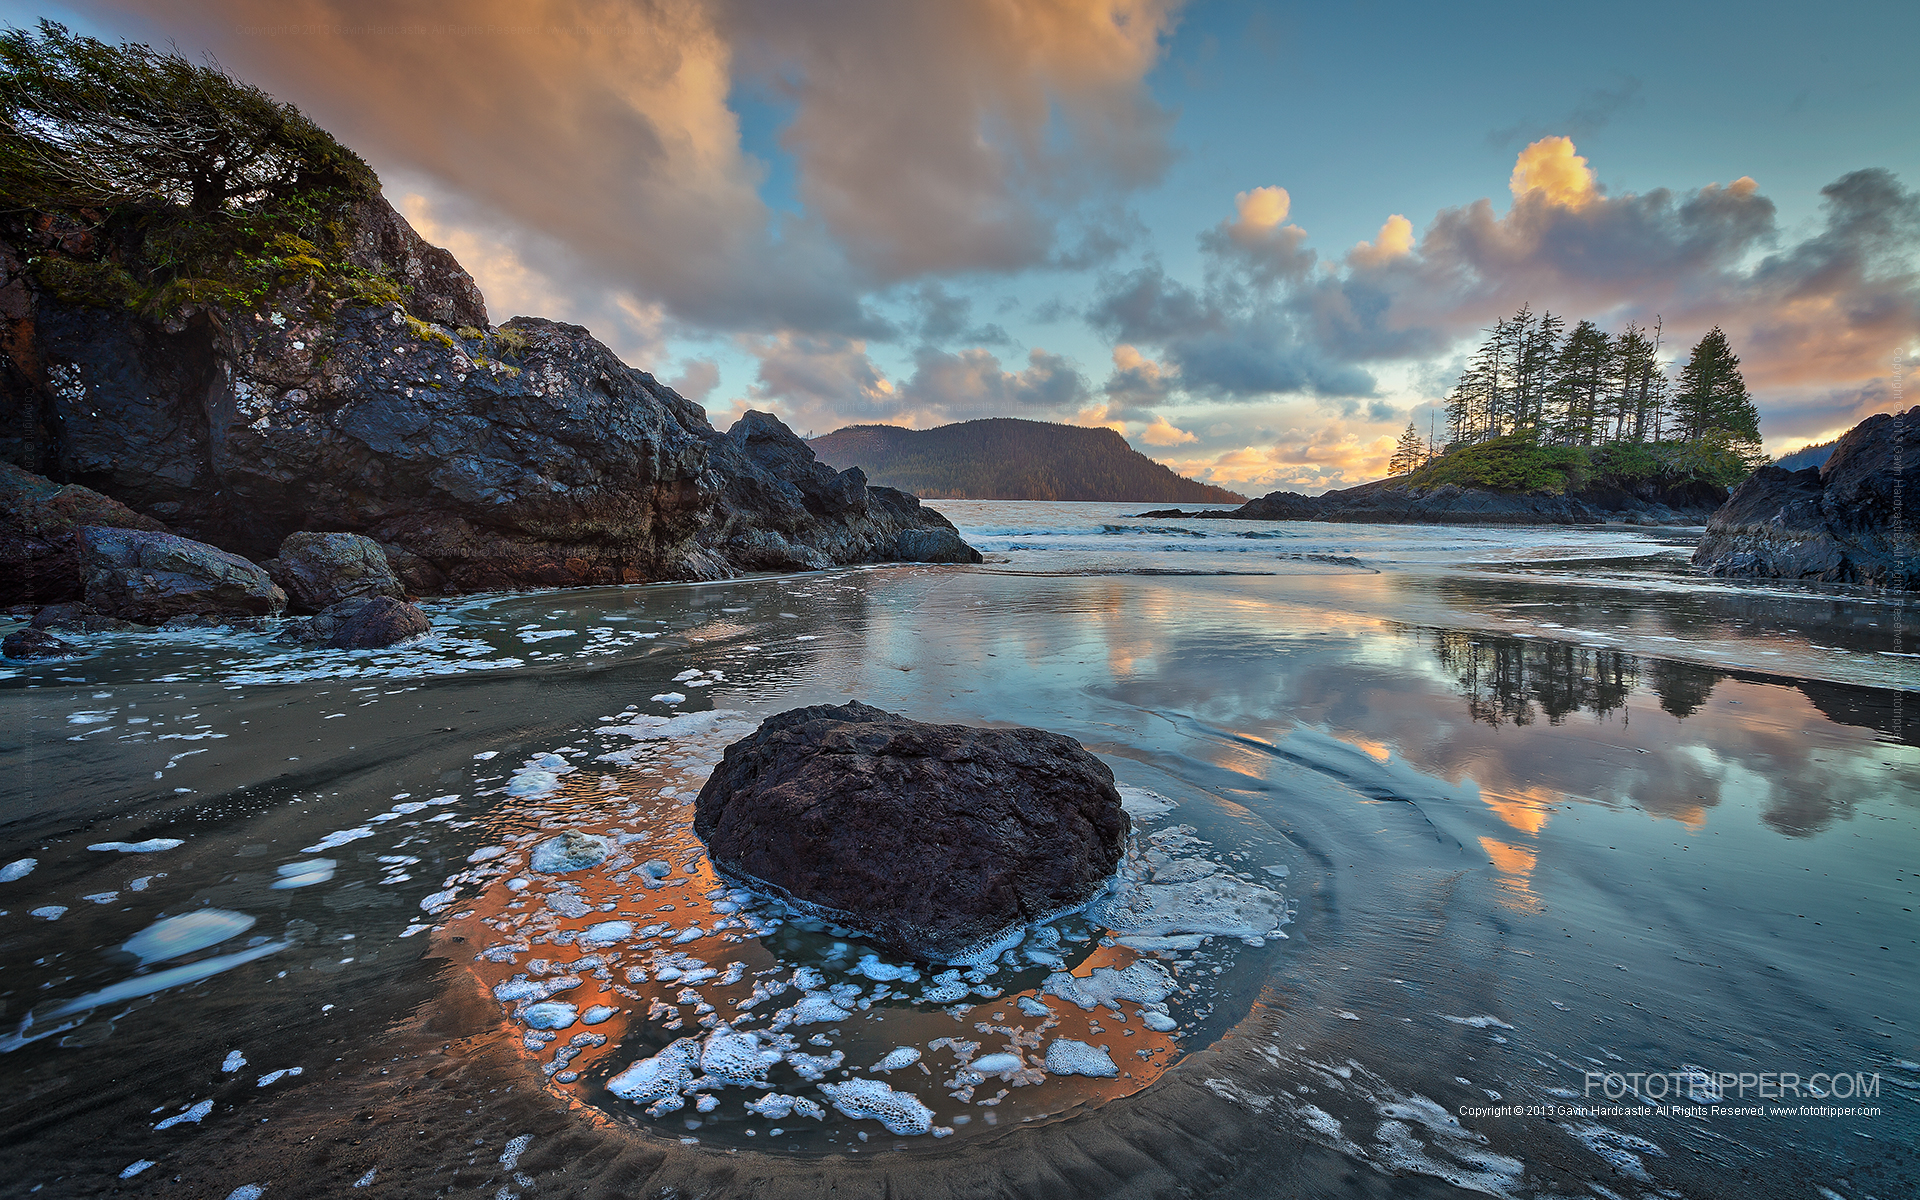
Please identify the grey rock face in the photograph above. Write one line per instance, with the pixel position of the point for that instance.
(1850, 520)
(321, 569)
(478, 458)
(151, 577)
(935, 839)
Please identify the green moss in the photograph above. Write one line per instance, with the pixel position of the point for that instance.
(99, 284)
(509, 341)
(433, 335)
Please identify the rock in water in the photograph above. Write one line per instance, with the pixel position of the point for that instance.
(34, 643)
(377, 623)
(151, 577)
(939, 840)
(1850, 520)
(321, 569)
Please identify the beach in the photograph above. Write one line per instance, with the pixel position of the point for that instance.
(1539, 863)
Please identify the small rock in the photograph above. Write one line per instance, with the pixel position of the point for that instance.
(34, 643)
(377, 623)
(78, 618)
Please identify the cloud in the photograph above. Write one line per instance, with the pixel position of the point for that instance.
(1161, 432)
(1550, 170)
(820, 383)
(923, 138)
(1593, 112)
(1395, 240)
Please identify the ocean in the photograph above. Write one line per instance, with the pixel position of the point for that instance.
(1512, 862)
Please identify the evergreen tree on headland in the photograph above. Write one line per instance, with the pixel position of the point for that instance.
(1713, 397)
(1409, 454)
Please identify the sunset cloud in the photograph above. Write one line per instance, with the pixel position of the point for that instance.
(923, 138)
(1550, 170)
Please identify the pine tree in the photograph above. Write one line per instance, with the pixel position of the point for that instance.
(1582, 368)
(1409, 454)
(1712, 398)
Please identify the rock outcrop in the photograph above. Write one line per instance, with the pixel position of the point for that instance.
(479, 458)
(1853, 519)
(26, 644)
(150, 578)
(39, 549)
(318, 570)
(1391, 502)
(938, 840)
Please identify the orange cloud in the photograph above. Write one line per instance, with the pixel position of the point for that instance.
(1395, 240)
(1161, 432)
(1550, 170)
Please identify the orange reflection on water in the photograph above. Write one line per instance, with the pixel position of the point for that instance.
(647, 1013)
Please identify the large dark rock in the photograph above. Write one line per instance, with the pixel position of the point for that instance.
(39, 554)
(321, 569)
(1850, 520)
(935, 839)
(480, 458)
(151, 577)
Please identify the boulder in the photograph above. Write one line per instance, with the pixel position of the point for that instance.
(34, 643)
(939, 841)
(151, 577)
(932, 546)
(321, 569)
(1849, 520)
(377, 623)
(39, 554)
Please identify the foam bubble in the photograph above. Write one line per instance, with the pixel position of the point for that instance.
(872, 1100)
(303, 874)
(150, 846)
(1069, 1057)
(17, 869)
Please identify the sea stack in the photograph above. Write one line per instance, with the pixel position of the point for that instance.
(939, 841)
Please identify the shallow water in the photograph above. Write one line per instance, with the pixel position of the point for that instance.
(1539, 803)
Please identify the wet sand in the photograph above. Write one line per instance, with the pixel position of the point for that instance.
(1512, 860)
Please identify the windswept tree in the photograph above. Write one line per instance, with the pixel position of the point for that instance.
(1409, 454)
(1712, 397)
(84, 124)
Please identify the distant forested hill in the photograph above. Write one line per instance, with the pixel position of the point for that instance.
(1806, 456)
(1004, 458)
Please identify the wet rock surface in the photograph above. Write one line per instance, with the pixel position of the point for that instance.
(153, 577)
(318, 570)
(34, 643)
(934, 839)
(1850, 520)
(360, 624)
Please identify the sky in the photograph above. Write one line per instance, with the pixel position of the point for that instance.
(1258, 239)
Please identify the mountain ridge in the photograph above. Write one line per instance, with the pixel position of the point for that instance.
(1010, 458)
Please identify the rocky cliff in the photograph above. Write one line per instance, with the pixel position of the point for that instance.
(1852, 519)
(479, 457)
